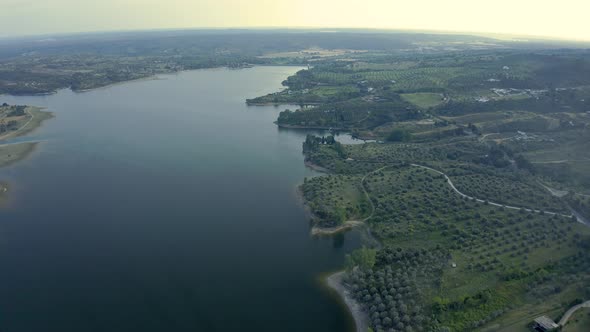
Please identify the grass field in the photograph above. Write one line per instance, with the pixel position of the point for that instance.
(423, 99)
(326, 91)
(478, 118)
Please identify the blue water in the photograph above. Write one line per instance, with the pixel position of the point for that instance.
(164, 205)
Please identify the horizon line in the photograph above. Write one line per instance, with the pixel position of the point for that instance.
(493, 35)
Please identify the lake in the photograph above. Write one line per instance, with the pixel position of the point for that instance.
(165, 205)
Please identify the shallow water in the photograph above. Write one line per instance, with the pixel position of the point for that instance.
(165, 205)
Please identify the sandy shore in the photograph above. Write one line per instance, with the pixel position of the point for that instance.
(249, 102)
(347, 225)
(288, 126)
(315, 167)
(336, 282)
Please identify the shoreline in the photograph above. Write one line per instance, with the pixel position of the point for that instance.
(12, 153)
(324, 231)
(345, 227)
(318, 230)
(288, 126)
(38, 116)
(335, 282)
(316, 167)
(151, 77)
(272, 103)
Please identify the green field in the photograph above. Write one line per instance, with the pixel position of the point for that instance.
(500, 267)
(423, 99)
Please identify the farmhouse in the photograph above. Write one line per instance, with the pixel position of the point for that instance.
(544, 324)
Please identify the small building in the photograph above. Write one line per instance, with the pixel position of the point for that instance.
(544, 324)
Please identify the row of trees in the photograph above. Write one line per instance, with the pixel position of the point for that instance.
(387, 284)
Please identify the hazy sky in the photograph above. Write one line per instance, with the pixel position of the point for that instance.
(563, 18)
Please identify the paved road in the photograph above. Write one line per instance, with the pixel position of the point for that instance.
(571, 311)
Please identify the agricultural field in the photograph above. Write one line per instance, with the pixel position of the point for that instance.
(477, 187)
(484, 118)
(469, 263)
(403, 79)
(508, 189)
(423, 100)
(313, 96)
(560, 157)
(311, 53)
(498, 92)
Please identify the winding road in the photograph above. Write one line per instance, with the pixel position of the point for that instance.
(482, 201)
(367, 193)
(354, 223)
(571, 311)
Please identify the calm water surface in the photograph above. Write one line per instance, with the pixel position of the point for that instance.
(164, 205)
